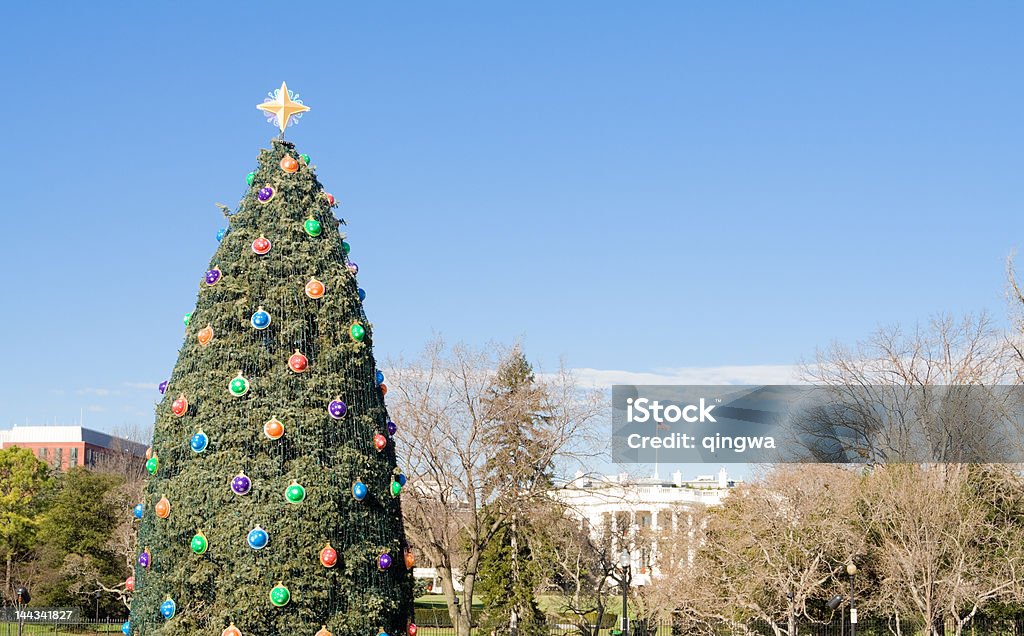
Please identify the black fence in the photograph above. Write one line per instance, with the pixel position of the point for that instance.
(980, 626)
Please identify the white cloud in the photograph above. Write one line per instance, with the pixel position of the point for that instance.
(741, 374)
(99, 392)
(141, 386)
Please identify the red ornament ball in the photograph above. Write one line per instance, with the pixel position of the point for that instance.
(261, 245)
(380, 442)
(298, 362)
(330, 198)
(411, 629)
(129, 584)
(383, 389)
(180, 406)
(328, 556)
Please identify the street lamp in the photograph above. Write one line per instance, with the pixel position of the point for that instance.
(624, 561)
(851, 569)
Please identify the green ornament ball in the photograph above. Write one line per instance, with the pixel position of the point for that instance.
(295, 493)
(187, 319)
(250, 178)
(238, 387)
(199, 543)
(280, 595)
(396, 488)
(313, 227)
(305, 158)
(152, 464)
(346, 247)
(358, 332)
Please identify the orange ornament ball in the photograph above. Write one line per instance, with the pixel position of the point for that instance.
(315, 289)
(410, 559)
(289, 165)
(273, 428)
(380, 442)
(163, 508)
(205, 335)
(383, 389)
(231, 630)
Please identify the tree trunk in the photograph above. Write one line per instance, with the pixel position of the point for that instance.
(7, 578)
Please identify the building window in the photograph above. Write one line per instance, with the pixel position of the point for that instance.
(42, 453)
(58, 457)
(74, 457)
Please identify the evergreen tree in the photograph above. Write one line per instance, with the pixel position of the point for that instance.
(273, 504)
(75, 540)
(511, 564)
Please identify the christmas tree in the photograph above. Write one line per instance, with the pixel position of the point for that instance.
(273, 502)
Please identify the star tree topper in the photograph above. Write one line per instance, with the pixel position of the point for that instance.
(283, 107)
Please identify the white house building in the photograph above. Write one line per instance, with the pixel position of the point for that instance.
(648, 505)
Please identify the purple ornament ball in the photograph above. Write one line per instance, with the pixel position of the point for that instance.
(337, 409)
(241, 484)
(163, 387)
(265, 194)
(392, 428)
(384, 562)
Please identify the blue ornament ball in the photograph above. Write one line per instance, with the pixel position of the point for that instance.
(260, 319)
(359, 491)
(168, 608)
(199, 442)
(221, 233)
(401, 479)
(379, 376)
(362, 294)
(126, 628)
(258, 538)
(137, 510)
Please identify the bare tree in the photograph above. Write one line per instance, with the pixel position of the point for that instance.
(947, 539)
(929, 394)
(450, 424)
(768, 550)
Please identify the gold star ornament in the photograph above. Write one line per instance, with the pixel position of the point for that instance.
(282, 106)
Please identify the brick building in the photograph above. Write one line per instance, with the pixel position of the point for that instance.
(67, 446)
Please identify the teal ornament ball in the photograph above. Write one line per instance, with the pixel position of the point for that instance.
(250, 178)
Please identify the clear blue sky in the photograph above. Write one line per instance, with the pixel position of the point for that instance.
(634, 186)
